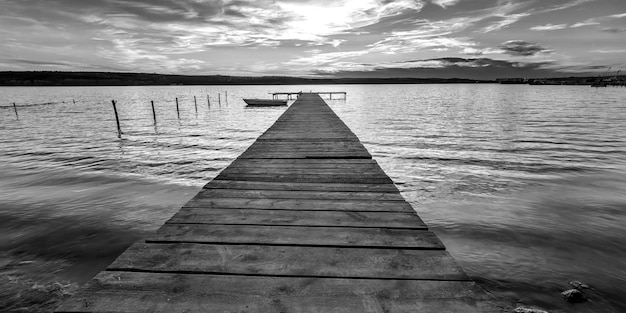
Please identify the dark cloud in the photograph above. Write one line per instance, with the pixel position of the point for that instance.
(614, 30)
(523, 48)
(235, 13)
(590, 67)
(453, 67)
(59, 65)
(35, 62)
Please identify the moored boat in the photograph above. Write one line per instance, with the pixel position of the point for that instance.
(265, 102)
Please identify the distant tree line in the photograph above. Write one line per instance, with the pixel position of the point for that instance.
(52, 78)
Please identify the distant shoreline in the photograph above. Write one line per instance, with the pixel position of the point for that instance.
(144, 79)
(51, 78)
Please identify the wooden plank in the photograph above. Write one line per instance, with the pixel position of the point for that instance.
(350, 142)
(306, 151)
(127, 292)
(354, 165)
(299, 204)
(330, 138)
(289, 261)
(327, 132)
(319, 128)
(383, 238)
(305, 155)
(368, 171)
(297, 218)
(307, 162)
(353, 173)
(306, 178)
(299, 194)
(316, 127)
(318, 146)
(303, 136)
(241, 165)
(237, 184)
(332, 132)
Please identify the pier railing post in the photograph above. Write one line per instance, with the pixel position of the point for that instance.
(117, 120)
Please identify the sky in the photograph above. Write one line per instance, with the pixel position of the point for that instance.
(479, 39)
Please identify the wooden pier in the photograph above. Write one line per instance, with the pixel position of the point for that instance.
(303, 221)
(295, 95)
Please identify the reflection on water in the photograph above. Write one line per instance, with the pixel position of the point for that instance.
(524, 184)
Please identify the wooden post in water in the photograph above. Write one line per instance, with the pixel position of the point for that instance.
(73, 101)
(208, 100)
(117, 120)
(15, 108)
(219, 99)
(195, 103)
(177, 110)
(153, 112)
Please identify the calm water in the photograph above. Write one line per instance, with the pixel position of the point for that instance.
(525, 185)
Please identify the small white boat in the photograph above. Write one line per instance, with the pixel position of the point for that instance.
(265, 102)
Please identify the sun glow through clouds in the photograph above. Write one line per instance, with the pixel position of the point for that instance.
(309, 37)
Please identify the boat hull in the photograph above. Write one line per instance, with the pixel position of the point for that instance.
(265, 102)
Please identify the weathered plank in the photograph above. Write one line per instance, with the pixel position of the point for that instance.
(301, 136)
(297, 218)
(299, 194)
(284, 138)
(292, 147)
(308, 178)
(289, 261)
(300, 204)
(314, 163)
(117, 291)
(237, 184)
(339, 154)
(369, 172)
(383, 238)
(356, 164)
(310, 145)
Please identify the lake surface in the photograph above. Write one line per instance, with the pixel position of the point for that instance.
(526, 185)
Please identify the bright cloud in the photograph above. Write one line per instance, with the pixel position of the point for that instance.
(407, 42)
(598, 20)
(549, 27)
(445, 3)
(313, 21)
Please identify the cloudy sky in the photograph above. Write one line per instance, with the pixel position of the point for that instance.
(343, 38)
